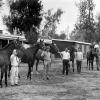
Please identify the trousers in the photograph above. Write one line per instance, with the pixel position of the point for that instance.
(14, 75)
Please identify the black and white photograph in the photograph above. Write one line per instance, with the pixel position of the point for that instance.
(49, 50)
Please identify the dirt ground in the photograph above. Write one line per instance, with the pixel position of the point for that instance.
(84, 86)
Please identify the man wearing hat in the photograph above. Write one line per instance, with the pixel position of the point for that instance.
(65, 55)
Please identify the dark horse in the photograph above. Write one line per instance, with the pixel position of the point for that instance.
(28, 55)
(53, 49)
(5, 54)
(72, 55)
(90, 58)
(91, 54)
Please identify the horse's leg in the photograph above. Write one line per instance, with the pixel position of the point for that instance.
(97, 63)
(92, 64)
(69, 65)
(37, 66)
(9, 69)
(6, 76)
(73, 64)
(37, 62)
(29, 70)
(30, 64)
(2, 72)
(87, 62)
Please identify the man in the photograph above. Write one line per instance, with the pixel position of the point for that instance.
(65, 58)
(14, 69)
(79, 58)
(47, 62)
(96, 46)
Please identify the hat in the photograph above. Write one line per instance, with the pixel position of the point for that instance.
(48, 47)
(66, 49)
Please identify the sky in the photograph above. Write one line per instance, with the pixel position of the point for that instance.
(71, 12)
(68, 18)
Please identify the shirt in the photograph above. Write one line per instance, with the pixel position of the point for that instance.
(46, 55)
(14, 60)
(65, 55)
(79, 56)
(96, 46)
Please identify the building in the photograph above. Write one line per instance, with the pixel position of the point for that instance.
(61, 44)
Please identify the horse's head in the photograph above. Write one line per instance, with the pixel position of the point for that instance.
(40, 44)
(17, 43)
(53, 48)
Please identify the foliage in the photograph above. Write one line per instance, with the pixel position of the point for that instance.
(98, 29)
(61, 36)
(24, 16)
(50, 22)
(85, 28)
(1, 3)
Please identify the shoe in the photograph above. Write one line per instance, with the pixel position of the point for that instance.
(12, 85)
(16, 85)
(47, 78)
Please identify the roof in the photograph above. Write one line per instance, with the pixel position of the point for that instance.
(72, 41)
(49, 41)
(11, 37)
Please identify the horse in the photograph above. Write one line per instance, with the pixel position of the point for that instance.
(91, 54)
(53, 50)
(72, 51)
(90, 58)
(28, 55)
(5, 54)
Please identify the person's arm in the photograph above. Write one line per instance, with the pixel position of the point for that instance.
(69, 56)
(82, 56)
(11, 58)
(76, 55)
(42, 54)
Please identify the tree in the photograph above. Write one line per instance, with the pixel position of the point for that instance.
(1, 3)
(98, 29)
(50, 22)
(25, 17)
(86, 26)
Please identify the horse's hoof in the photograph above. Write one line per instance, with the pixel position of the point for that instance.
(6, 84)
(1, 85)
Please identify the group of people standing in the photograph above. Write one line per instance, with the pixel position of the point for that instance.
(65, 55)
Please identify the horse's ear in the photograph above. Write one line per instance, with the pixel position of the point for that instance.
(18, 38)
(40, 40)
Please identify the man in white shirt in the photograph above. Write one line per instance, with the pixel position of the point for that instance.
(65, 58)
(96, 46)
(79, 58)
(14, 69)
